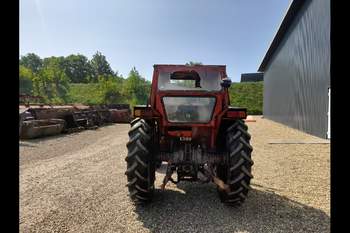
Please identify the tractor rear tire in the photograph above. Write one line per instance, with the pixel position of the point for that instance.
(237, 171)
(134, 121)
(140, 164)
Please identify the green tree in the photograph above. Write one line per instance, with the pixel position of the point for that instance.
(25, 80)
(136, 88)
(31, 61)
(60, 62)
(110, 89)
(77, 68)
(52, 82)
(100, 66)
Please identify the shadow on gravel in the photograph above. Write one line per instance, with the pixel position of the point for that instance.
(57, 136)
(63, 135)
(51, 137)
(26, 144)
(198, 209)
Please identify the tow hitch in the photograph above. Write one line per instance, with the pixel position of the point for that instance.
(206, 171)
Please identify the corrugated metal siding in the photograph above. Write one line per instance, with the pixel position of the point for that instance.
(297, 77)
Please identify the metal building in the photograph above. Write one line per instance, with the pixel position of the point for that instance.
(297, 69)
(252, 77)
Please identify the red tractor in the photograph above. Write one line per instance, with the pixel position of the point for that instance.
(189, 124)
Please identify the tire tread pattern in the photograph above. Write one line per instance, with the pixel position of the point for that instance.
(239, 164)
(140, 170)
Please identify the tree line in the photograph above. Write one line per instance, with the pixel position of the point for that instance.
(52, 78)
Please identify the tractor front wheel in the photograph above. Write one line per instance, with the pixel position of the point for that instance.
(237, 170)
(140, 165)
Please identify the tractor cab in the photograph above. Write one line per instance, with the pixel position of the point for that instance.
(185, 85)
(188, 94)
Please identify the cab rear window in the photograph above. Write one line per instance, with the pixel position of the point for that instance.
(192, 81)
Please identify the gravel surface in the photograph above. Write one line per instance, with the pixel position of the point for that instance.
(76, 183)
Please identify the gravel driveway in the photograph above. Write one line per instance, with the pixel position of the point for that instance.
(76, 183)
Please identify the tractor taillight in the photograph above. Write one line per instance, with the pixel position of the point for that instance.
(137, 113)
(142, 111)
(181, 134)
(236, 114)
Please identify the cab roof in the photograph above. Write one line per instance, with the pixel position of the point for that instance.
(172, 68)
(178, 66)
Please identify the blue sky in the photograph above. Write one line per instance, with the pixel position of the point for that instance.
(140, 33)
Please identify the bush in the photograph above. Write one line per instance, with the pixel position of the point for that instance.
(248, 95)
(106, 91)
(84, 93)
(25, 80)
